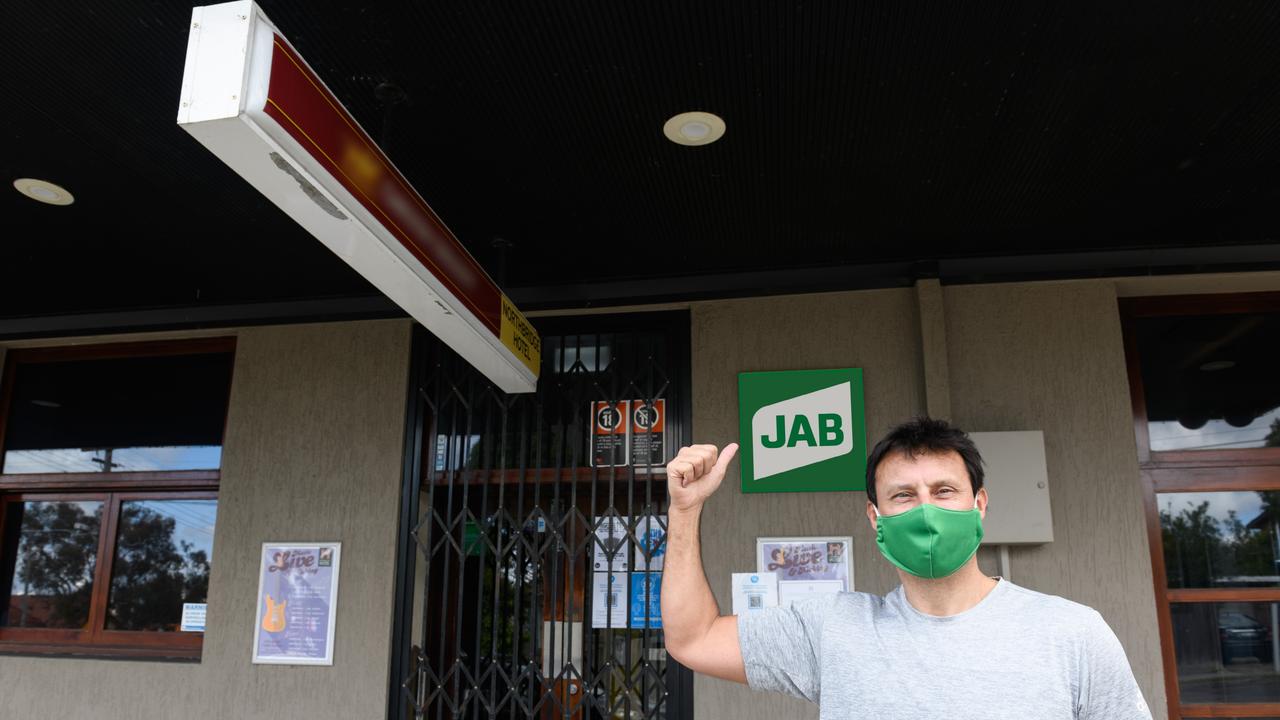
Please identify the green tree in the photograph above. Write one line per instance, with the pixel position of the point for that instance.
(56, 558)
(1193, 547)
(1200, 551)
(151, 576)
(1249, 549)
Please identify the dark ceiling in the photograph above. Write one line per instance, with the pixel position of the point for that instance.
(882, 135)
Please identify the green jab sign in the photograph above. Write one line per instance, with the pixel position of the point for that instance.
(802, 430)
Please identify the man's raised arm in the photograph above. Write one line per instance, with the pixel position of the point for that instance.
(696, 635)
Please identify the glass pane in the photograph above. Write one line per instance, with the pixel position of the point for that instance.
(1227, 652)
(50, 552)
(117, 459)
(1220, 539)
(1210, 382)
(578, 353)
(119, 415)
(163, 552)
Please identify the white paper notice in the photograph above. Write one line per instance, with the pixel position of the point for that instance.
(754, 591)
(193, 617)
(611, 538)
(610, 600)
(651, 537)
(790, 592)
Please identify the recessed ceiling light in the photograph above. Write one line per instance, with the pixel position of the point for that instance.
(1216, 365)
(44, 191)
(694, 128)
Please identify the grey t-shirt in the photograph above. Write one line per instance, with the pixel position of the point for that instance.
(1016, 654)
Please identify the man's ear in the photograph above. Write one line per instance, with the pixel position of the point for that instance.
(981, 499)
(871, 514)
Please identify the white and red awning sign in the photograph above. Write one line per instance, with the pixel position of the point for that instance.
(252, 100)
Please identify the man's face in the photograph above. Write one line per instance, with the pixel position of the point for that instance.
(904, 481)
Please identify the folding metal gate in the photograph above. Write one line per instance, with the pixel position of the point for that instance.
(532, 527)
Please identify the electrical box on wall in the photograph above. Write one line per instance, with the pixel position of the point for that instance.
(1017, 481)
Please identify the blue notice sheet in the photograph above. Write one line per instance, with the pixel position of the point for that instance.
(646, 611)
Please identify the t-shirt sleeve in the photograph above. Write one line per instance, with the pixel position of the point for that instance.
(781, 647)
(1107, 688)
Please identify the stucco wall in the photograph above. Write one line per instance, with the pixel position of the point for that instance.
(878, 331)
(1046, 356)
(1051, 357)
(312, 452)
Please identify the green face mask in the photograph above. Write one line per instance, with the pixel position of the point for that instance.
(929, 541)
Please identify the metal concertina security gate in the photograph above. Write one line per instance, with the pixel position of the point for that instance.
(528, 577)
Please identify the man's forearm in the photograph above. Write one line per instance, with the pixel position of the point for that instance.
(695, 634)
(688, 607)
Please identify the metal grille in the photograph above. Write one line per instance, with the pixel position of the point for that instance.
(539, 522)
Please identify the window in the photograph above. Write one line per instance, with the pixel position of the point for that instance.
(109, 469)
(1206, 402)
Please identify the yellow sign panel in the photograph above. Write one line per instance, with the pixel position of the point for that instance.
(520, 337)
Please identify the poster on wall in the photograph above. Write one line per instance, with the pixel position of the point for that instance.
(651, 542)
(648, 432)
(610, 597)
(646, 600)
(806, 566)
(753, 592)
(297, 603)
(609, 437)
(610, 546)
(193, 617)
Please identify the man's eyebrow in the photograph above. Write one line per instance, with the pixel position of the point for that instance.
(932, 483)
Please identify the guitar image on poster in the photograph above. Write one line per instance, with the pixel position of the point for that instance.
(273, 620)
(297, 589)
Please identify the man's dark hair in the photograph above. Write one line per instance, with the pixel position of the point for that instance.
(925, 436)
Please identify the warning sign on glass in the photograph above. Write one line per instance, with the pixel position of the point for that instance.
(609, 436)
(648, 425)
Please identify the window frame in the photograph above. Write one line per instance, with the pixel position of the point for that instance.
(112, 488)
(1217, 470)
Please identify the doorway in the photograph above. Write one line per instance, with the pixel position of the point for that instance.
(533, 529)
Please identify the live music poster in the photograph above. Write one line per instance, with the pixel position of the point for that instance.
(297, 603)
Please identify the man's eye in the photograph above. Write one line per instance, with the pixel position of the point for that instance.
(945, 491)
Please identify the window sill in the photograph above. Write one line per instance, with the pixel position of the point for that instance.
(100, 652)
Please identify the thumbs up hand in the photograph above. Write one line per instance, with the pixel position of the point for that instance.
(696, 473)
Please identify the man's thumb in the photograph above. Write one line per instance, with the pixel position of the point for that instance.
(726, 456)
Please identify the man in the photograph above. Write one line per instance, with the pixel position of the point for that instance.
(949, 642)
